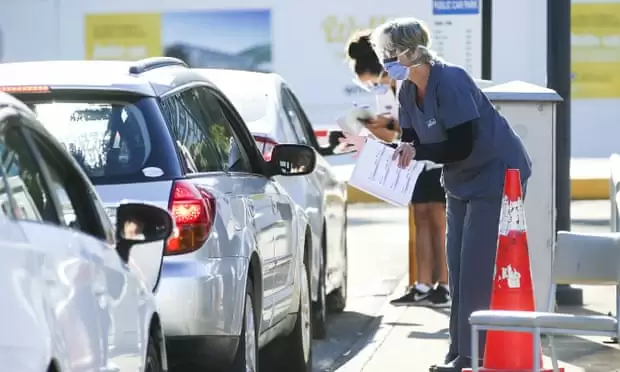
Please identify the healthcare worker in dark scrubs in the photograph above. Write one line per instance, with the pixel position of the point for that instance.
(457, 126)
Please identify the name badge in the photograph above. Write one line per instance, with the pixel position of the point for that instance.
(430, 122)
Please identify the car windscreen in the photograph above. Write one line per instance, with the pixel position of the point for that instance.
(114, 138)
(251, 103)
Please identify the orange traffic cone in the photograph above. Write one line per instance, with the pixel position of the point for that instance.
(512, 285)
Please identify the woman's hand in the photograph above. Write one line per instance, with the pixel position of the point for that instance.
(353, 142)
(404, 154)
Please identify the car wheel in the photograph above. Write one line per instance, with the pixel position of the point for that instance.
(337, 300)
(319, 307)
(246, 358)
(293, 352)
(153, 358)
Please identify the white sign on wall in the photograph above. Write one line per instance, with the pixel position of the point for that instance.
(457, 33)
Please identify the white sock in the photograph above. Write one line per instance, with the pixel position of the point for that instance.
(422, 287)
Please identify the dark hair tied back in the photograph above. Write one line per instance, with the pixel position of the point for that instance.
(360, 51)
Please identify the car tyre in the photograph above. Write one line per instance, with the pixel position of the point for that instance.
(153, 357)
(319, 307)
(293, 352)
(246, 358)
(337, 300)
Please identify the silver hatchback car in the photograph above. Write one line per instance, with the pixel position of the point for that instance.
(235, 276)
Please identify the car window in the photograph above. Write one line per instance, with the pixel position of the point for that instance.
(69, 189)
(197, 148)
(25, 180)
(293, 118)
(112, 136)
(217, 119)
(305, 124)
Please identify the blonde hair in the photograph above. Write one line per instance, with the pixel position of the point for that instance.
(402, 35)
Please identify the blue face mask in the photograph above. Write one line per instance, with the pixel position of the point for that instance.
(380, 89)
(396, 70)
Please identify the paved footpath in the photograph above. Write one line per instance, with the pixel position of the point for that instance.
(413, 338)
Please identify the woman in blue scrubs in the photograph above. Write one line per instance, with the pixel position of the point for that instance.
(457, 126)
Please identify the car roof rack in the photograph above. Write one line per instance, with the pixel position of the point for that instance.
(152, 63)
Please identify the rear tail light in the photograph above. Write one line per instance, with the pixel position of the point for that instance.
(322, 137)
(265, 145)
(193, 211)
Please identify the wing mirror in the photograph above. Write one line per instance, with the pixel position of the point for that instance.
(141, 233)
(292, 160)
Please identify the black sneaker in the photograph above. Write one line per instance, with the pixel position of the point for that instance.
(413, 298)
(440, 297)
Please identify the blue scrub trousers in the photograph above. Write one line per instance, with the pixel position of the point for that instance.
(471, 244)
(472, 228)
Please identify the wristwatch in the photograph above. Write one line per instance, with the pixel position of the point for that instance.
(391, 125)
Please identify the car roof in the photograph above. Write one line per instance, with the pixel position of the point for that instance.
(7, 100)
(98, 75)
(270, 83)
(247, 77)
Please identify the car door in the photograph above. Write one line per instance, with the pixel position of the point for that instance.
(116, 290)
(247, 196)
(23, 292)
(263, 196)
(66, 272)
(333, 198)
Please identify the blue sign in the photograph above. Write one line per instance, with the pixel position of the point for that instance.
(452, 7)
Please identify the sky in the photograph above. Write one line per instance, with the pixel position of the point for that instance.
(227, 30)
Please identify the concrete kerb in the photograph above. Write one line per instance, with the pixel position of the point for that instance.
(370, 343)
(581, 189)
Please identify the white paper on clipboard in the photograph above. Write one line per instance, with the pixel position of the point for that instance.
(377, 174)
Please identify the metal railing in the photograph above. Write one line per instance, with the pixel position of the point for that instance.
(614, 191)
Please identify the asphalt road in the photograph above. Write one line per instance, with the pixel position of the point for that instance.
(378, 259)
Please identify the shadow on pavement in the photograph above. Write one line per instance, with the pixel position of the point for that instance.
(441, 334)
(347, 334)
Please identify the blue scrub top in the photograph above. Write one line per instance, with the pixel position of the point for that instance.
(452, 98)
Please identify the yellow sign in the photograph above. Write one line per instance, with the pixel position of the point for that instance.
(337, 30)
(125, 36)
(595, 29)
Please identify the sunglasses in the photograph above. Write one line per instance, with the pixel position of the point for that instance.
(395, 58)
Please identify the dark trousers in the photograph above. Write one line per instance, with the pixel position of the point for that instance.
(471, 244)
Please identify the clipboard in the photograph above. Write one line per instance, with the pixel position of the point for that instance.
(378, 175)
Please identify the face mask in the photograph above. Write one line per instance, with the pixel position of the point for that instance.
(380, 89)
(396, 70)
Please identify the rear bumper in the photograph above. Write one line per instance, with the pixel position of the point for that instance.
(202, 298)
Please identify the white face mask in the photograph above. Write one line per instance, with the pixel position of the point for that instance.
(373, 86)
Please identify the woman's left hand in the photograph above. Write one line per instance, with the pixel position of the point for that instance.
(404, 154)
(353, 143)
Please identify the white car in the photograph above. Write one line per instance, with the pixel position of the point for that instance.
(76, 292)
(274, 115)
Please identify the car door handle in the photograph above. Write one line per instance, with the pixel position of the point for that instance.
(251, 207)
(274, 206)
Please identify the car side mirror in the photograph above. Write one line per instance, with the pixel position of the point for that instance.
(292, 160)
(141, 234)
